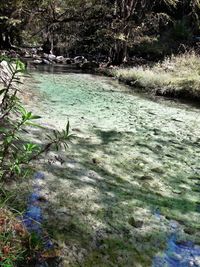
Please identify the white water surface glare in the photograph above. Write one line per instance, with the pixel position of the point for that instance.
(132, 158)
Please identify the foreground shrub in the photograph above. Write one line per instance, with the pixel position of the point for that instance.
(16, 155)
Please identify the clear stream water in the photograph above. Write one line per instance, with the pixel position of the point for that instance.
(132, 158)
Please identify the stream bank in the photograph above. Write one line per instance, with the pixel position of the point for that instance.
(176, 77)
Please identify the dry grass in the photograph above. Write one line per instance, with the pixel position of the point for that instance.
(176, 76)
(18, 247)
(13, 239)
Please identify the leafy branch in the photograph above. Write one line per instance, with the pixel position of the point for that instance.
(16, 155)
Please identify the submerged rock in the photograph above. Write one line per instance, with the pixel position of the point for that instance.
(146, 178)
(189, 231)
(176, 191)
(135, 223)
(158, 170)
(63, 210)
(95, 160)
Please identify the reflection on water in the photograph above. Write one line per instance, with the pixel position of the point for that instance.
(33, 217)
(178, 255)
(56, 68)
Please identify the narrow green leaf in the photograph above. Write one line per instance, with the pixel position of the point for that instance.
(2, 91)
(28, 123)
(67, 127)
(35, 117)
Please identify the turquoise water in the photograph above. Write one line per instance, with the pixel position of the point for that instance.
(131, 156)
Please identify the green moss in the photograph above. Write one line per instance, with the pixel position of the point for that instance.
(116, 252)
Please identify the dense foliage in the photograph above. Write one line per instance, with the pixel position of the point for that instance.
(14, 120)
(16, 154)
(112, 28)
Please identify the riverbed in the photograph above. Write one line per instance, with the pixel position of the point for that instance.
(130, 178)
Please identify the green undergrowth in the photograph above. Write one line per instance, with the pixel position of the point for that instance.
(18, 247)
(13, 239)
(176, 76)
(17, 155)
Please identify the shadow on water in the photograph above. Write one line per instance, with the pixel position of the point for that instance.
(109, 136)
(106, 234)
(57, 69)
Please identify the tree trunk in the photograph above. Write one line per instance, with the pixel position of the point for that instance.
(52, 46)
(123, 9)
(5, 39)
(119, 52)
(47, 46)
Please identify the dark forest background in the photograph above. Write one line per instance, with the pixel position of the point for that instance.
(118, 29)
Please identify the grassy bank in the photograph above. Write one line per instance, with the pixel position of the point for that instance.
(14, 239)
(177, 76)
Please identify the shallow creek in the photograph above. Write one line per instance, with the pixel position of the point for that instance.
(127, 190)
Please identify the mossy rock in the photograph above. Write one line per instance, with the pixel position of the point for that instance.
(135, 223)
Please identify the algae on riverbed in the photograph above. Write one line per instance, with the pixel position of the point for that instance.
(131, 158)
